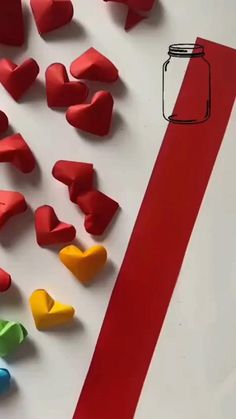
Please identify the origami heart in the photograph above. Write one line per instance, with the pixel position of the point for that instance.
(5, 380)
(11, 23)
(84, 265)
(49, 230)
(132, 19)
(3, 122)
(5, 280)
(77, 176)
(11, 203)
(51, 14)
(48, 313)
(92, 65)
(60, 91)
(18, 78)
(94, 117)
(99, 210)
(11, 336)
(14, 150)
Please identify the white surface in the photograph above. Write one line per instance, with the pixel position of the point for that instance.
(192, 373)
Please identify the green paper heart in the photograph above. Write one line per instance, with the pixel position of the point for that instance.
(11, 336)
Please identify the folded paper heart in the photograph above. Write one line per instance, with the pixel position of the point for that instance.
(15, 150)
(11, 23)
(94, 117)
(51, 14)
(134, 7)
(5, 380)
(48, 313)
(84, 265)
(77, 176)
(3, 122)
(92, 65)
(5, 280)
(11, 336)
(17, 79)
(50, 230)
(60, 91)
(11, 203)
(99, 211)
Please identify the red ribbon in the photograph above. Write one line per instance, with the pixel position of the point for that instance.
(156, 250)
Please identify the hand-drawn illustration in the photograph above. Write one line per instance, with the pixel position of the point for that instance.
(195, 106)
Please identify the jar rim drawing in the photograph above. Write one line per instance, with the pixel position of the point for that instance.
(195, 106)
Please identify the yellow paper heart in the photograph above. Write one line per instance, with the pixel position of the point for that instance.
(48, 313)
(84, 265)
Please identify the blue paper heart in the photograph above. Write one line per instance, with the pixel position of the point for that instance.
(5, 379)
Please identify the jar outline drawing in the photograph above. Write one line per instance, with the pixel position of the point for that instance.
(201, 93)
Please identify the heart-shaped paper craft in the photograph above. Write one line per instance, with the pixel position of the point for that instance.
(5, 280)
(11, 336)
(15, 150)
(94, 117)
(99, 210)
(92, 65)
(84, 265)
(50, 230)
(48, 313)
(11, 203)
(5, 380)
(132, 19)
(51, 14)
(3, 122)
(77, 176)
(17, 79)
(11, 23)
(60, 91)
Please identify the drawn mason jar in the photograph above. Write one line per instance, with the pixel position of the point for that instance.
(192, 105)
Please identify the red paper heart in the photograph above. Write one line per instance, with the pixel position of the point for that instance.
(94, 117)
(60, 91)
(92, 65)
(5, 280)
(50, 230)
(51, 14)
(132, 19)
(11, 203)
(99, 210)
(15, 150)
(18, 78)
(3, 122)
(11, 23)
(77, 176)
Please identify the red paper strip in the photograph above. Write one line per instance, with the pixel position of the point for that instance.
(156, 250)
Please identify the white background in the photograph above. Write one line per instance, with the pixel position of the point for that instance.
(193, 374)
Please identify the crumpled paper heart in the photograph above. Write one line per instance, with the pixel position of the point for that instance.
(48, 313)
(94, 117)
(11, 336)
(99, 210)
(5, 380)
(17, 79)
(84, 265)
(11, 203)
(51, 14)
(15, 150)
(92, 65)
(60, 91)
(134, 7)
(11, 23)
(77, 176)
(3, 122)
(50, 230)
(5, 280)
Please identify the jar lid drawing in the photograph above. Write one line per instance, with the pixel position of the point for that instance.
(186, 62)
